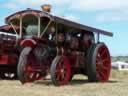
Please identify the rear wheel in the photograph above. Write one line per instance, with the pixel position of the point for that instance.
(28, 70)
(60, 70)
(98, 63)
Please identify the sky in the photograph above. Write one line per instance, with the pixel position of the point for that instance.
(110, 15)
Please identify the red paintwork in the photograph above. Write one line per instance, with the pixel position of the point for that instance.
(28, 43)
(8, 59)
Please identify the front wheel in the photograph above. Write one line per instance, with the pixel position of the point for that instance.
(98, 63)
(60, 70)
(27, 71)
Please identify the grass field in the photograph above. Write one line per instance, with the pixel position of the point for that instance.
(116, 86)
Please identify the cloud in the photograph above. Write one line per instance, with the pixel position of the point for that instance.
(24, 2)
(112, 16)
(21, 4)
(11, 6)
(39, 2)
(80, 5)
(61, 6)
(96, 5)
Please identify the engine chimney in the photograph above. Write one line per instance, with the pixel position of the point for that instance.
(46, 7)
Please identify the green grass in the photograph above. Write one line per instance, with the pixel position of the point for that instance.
(116, 86)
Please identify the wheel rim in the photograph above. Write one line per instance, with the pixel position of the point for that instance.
(30, 73)
(63, 72)
(103, 63)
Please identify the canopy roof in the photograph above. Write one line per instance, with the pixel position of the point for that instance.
(56, 19)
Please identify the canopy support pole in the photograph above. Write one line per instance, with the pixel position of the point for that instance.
(46, 28)
(98, 37)
(39, 26)
(20, 27)
(56, 32)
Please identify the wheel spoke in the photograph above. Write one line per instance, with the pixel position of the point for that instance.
(103, 52)
(101, 75)
(104, 60)
(58, 76)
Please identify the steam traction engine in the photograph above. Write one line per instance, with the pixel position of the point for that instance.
(63, 48)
